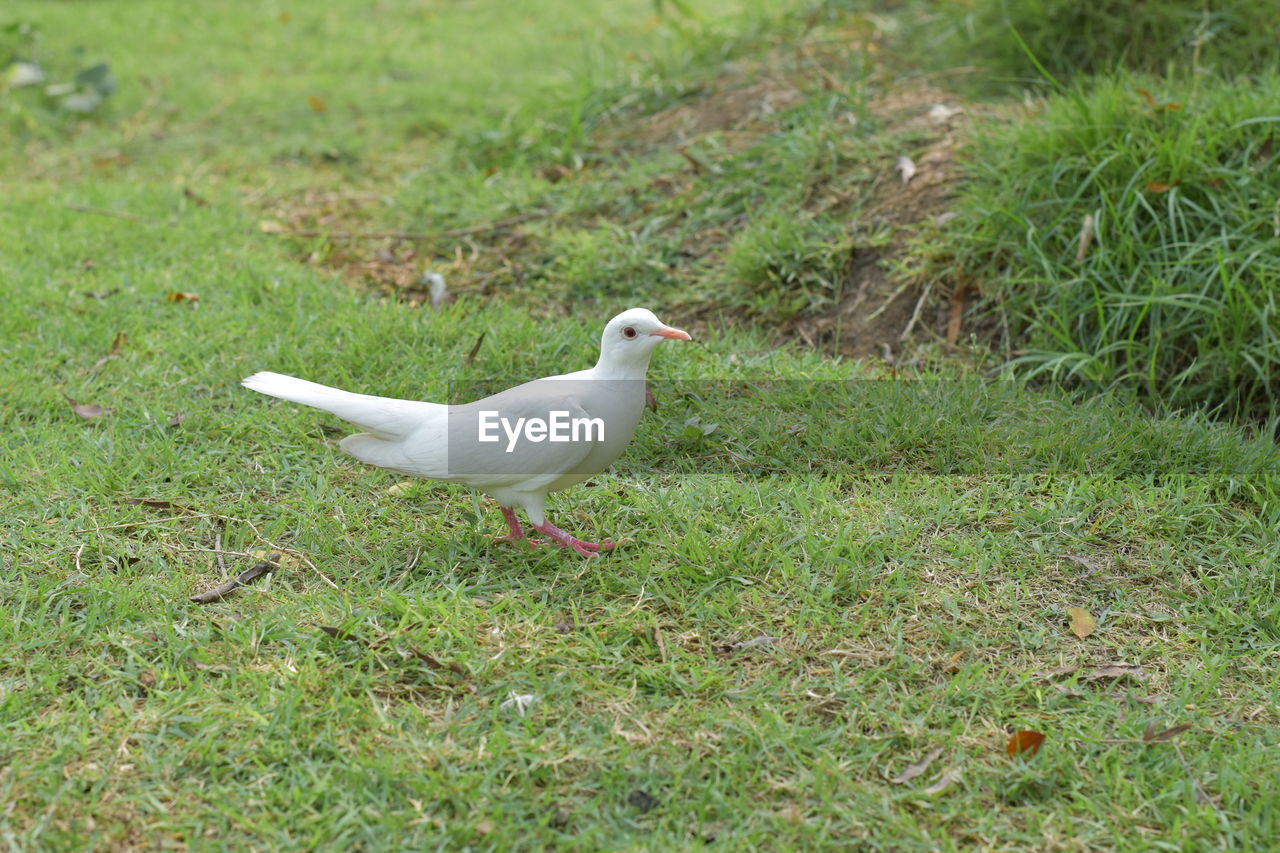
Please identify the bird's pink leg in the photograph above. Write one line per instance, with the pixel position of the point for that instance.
(586, 549)
(513, 524)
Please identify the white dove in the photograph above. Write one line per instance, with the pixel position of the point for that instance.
(516, 445)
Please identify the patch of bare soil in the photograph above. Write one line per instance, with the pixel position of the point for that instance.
(878, 313)
(338, 232)
(737, 111)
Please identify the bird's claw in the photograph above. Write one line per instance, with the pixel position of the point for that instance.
(586, 549)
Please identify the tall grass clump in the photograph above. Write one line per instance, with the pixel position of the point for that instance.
(1130, 235)
(1069, 37)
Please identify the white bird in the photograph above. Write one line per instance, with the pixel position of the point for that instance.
(515, 446)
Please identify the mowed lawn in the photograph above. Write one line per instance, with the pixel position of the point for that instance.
(856, 570)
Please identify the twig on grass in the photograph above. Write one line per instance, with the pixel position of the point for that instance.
(249, 575)
(915, 315)
(298, 554)
(222, 564)
(147, 522)
(662, 646)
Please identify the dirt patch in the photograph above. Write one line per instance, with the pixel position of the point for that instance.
(889, 198)
(879, 313)
(737, 110)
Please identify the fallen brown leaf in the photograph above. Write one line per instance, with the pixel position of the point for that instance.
(1057, 672)
(1118, 669)
(339, 634)
(118, 343)
(1150, 735)
(183, 296)
(87, 411)
(1082, 623)
(1159, 187)
(158, 504)
(194, 197)
(911, 771)
(1156, 105)
(1024, 741)
(947, 778)
(252, 573)
(1083, 561)
(316, 104)
(471, 356)
(1265, 151)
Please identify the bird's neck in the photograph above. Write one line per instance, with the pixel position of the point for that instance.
(610, 368)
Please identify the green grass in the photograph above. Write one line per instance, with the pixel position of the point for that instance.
(1176, 292)
(1018, 42)
(912, 540)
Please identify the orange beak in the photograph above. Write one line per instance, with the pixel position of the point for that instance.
(672, 334)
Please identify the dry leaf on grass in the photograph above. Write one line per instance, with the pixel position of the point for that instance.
(643, 800)
(252, 573)
(152, 502)
(911, 771)
(1025, 741)
(87, 411)
(339, 634)
(282, 559)
(1118, 669)
(1082, 623)
(948, 778)
(1150, 735)
(183, 296)
(471, 356)
(1084, 561)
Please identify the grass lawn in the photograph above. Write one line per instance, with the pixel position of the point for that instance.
(859, 568)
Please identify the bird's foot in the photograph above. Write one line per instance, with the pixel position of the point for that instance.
(586, 549)
(516, 533)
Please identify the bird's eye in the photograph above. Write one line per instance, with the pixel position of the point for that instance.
(629, 332)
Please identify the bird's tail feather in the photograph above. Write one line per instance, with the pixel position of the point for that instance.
(384, 417)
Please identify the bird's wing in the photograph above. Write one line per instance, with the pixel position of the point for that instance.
(384, 417)
(511, 457)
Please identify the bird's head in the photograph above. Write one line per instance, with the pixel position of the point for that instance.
(631, 337)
